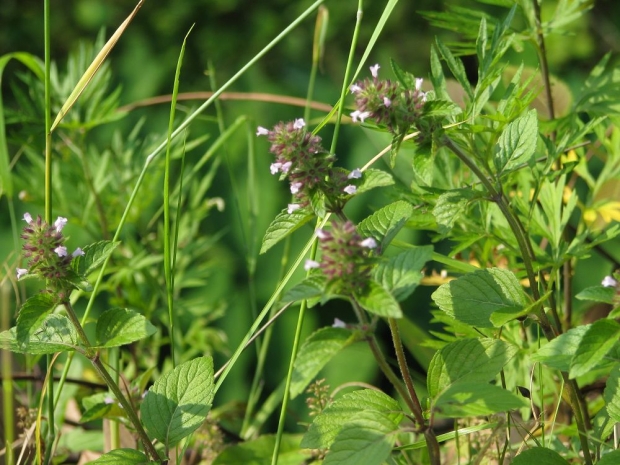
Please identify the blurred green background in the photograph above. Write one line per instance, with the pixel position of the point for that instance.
(227, 34)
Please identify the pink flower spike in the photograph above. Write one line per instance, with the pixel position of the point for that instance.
(350, 189)
(387, 102)
(275, 167)
(21, 272)
(374, 70)
(339, 323)
(299, 123)
(608, 281)
(61, 251)
(321, 234)
(293, 207)
(311, 264)
(369, 243)
(295, 186)
(355, 88)
(60, 223)
(78, 253)
(355, 174)
(418, 83)
(27, 217)
(286, 166)
(261, 131)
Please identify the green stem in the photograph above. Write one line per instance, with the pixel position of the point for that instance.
(7, 378)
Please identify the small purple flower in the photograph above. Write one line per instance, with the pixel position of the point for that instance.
(350, 189)
(355, 88)
(275, 168)
(369, 243)
(609, 281)
(27, 217)
(311, 264)
(286, 166)
(293, 207)
(61, 251)
(339, 323)
(418, 84)
(78, 253)
(21, 272)
(374, 70)
(355, 174)
(387, 102)
(359, 115)
(108, 400)
(295, 187)
(299, 123)
(60, 223)
(321, 234)
(261, 131)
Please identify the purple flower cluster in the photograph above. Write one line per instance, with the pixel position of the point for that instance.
(345, 258)
(387, 103)
(302, 160)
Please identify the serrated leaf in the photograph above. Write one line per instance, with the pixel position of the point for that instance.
(369, 440)
(467, 360)
(123, 457)
(310, 287)
(372, 178)
(475, 399)
(178, 403)
(377, 300)
(559, 352)
(456, 67)
(598, 339)
(450, 205)
(344, 411)
(598, 294)
(405, 78)
(120, 326)
(474, 297)
(444, 108)
(540, 455)
(315, 353)
(612, 394)
(501, 317)
(517, 142)
(55, 334)
(32, 313)
(260, 450)
(94, 255)
(402, 273)
(283, 225)
(385, 223)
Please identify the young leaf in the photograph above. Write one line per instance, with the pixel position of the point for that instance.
(599, 338)
(598, 294)
(372, 178)
(610, 458)
(559, 352)
(123, 457)
(344, 411)
(467, 361)
(120, 326)
(260, 451)
(375, 299)
(310, 287)
(32, 313)
(55, 334)
(450, 206)
(403, 272)
(517, 142)
(475, 399)
(283, 225)
(94, 255)
(540, 455)
(315, 353)
(385, 223)
(612, 394)
(178, 403)
(456, 67)
(474, 297)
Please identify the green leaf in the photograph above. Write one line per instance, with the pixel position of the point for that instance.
(315, 353)
(442, 108)
(368, 440)
(94, 255)
(475, 399)
(467, 360)
(437, 77)
(385, 223)
(372, 178)
(283, 225)
(598, 339)
(56, 334)
(598, 294)
(474, 297)
(612, 394)
(450, 206)
(402, 273)
(456, 67)
(559, 352)
(259, 451)
(32, 313)
(375, 299)
(123, 457)
(540, 455)
(344, 411)
(517, 142)
(178, 403)
(120, 326)
(405, 78)
(501, 317)
(310, 287)
(610, 458)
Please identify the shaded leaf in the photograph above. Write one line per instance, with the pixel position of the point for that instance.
(610, 458)
(612, 394)
(598, 294)
(55, 334)
(402, 273)
(94, 255)
(475, 399)
(598, 339)
(310, 287)
(120, 326)
(450, 206)
(32, 313)
(259, 451)
(123, 457)
(539, 455)
(375, 299)
(283, 225)
(385, 223)
(559, 352)
(372, 178)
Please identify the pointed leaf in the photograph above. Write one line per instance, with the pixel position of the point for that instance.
(259, 451)
(55, 334)
(372, 178)
(403, 272)
(450, 205)
(456, 67)
(599, 338)
(315, 353)
(475, 399)
(467, 360)
(474, 297)
(123, 457)
(32, 313)
(385, 223)
(178, 403)
(375, 299)
(283, 225)
(612, 394)
(559, 352)
(610, 458)
(598, 294)
(310, 287)
(540, 455)
(120, 326)
(517, 142)
(94, 255)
